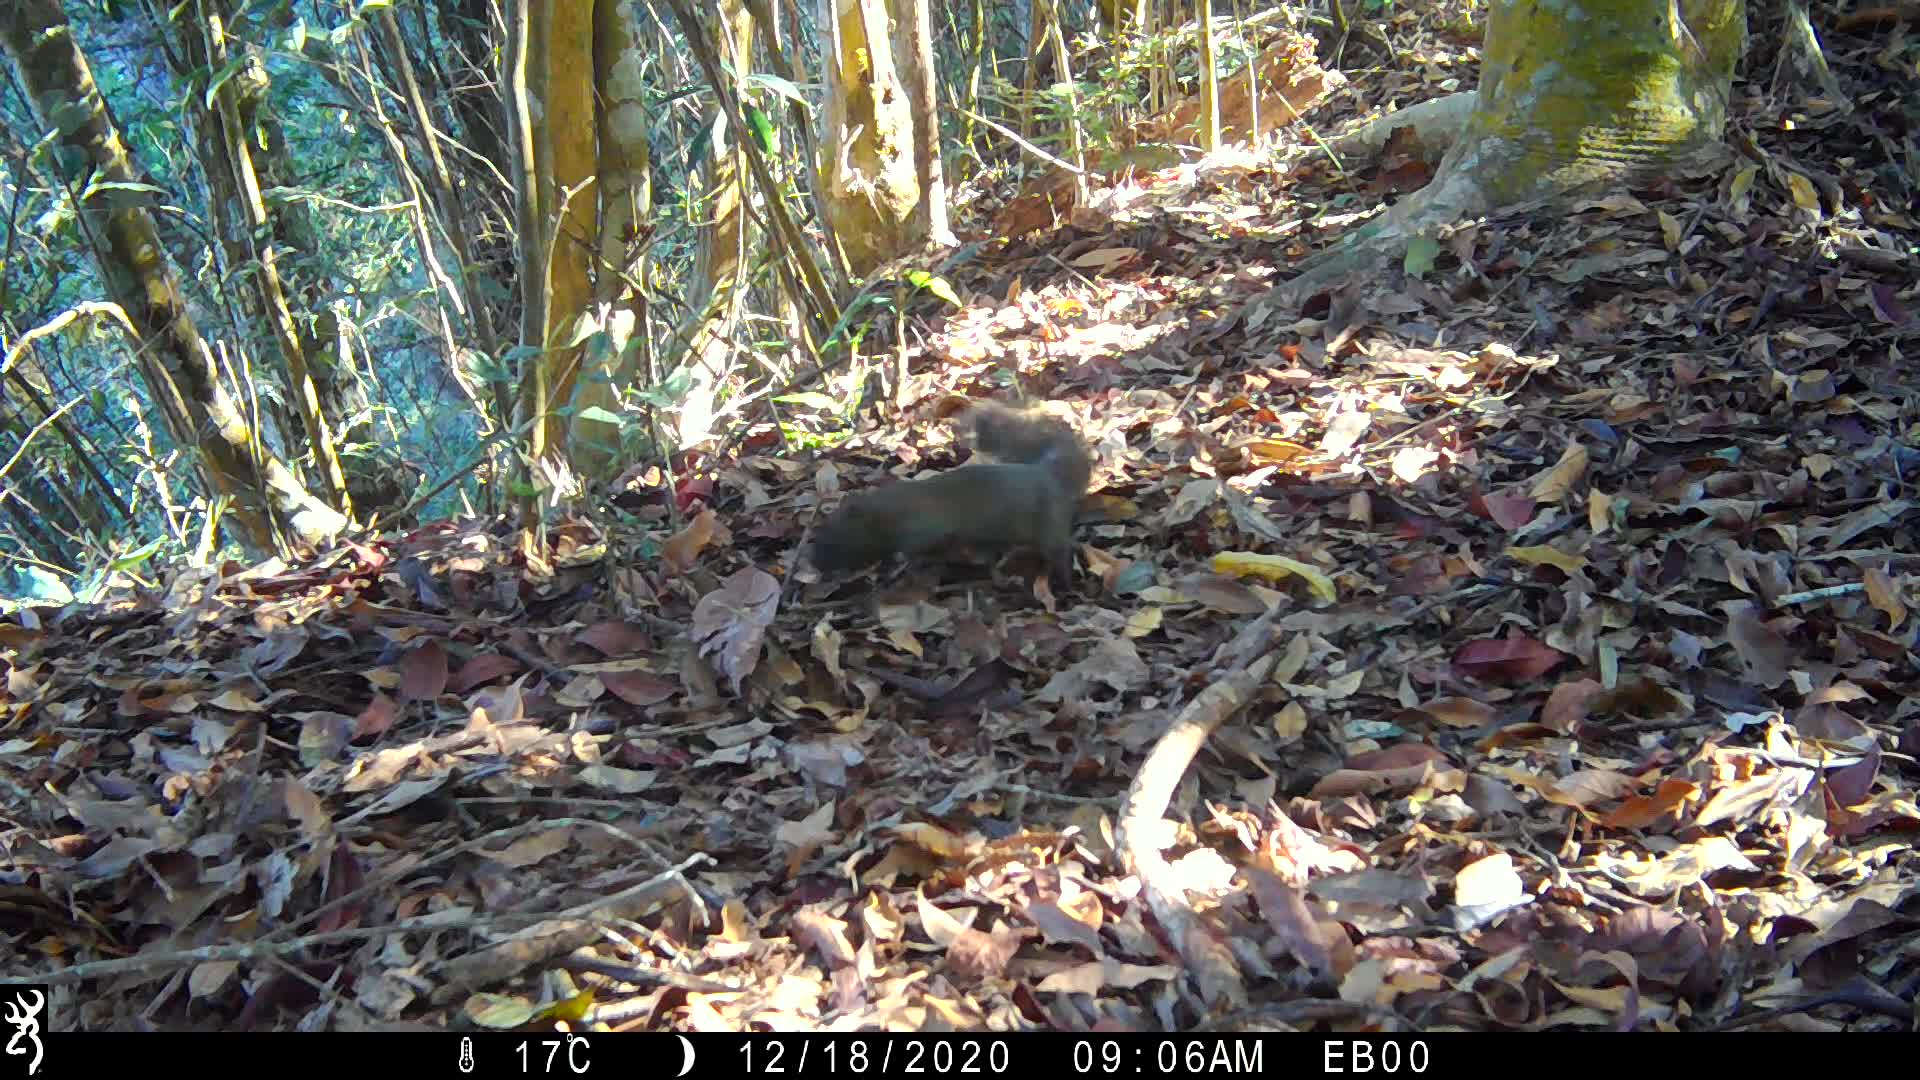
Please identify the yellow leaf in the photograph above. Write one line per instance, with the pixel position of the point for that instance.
(905, 641)
(573, 1010)
(235, 701)
(936, 841)
(1274, 568)
(1670, 230)
(1291, 721)
(1742, 184)
(1345, 686)
(1804, 196)
(1539, 554)
(1553, 485)
(1144, 622)
(1275, 451)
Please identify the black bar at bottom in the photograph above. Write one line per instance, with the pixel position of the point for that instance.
(456, 1055)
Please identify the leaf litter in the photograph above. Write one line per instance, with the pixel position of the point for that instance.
(1584, 562)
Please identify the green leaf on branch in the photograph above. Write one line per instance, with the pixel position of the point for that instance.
(934, 284)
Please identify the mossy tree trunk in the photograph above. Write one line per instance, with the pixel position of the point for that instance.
(1594, 91)
(1573, 95)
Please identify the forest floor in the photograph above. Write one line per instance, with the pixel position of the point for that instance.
(1596, 707)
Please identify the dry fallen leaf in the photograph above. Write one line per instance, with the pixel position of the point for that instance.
(681, 551)
(731, 621)
(1558, 482)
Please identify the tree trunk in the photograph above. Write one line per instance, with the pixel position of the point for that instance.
(1209, 82)
(718, 286)
(877, 203)
(177, 363)
(551, 65)
(915, 35)
(227, 118)
(1572, 96)
(1600, 90)
(621, 353)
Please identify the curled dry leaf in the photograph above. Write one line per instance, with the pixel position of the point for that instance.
(731, 622)
(681, 551)
(1556, 483)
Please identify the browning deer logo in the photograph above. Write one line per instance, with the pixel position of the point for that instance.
(25, 1019)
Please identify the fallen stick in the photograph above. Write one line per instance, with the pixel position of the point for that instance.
(1242, 667)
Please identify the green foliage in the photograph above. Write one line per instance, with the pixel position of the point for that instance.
(762, 128)
(1421, 252)
(780, 87)
(805, 436)
(359, 258)
(670, 393)
(934, 284)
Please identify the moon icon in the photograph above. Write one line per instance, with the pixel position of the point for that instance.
(686, 1046)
